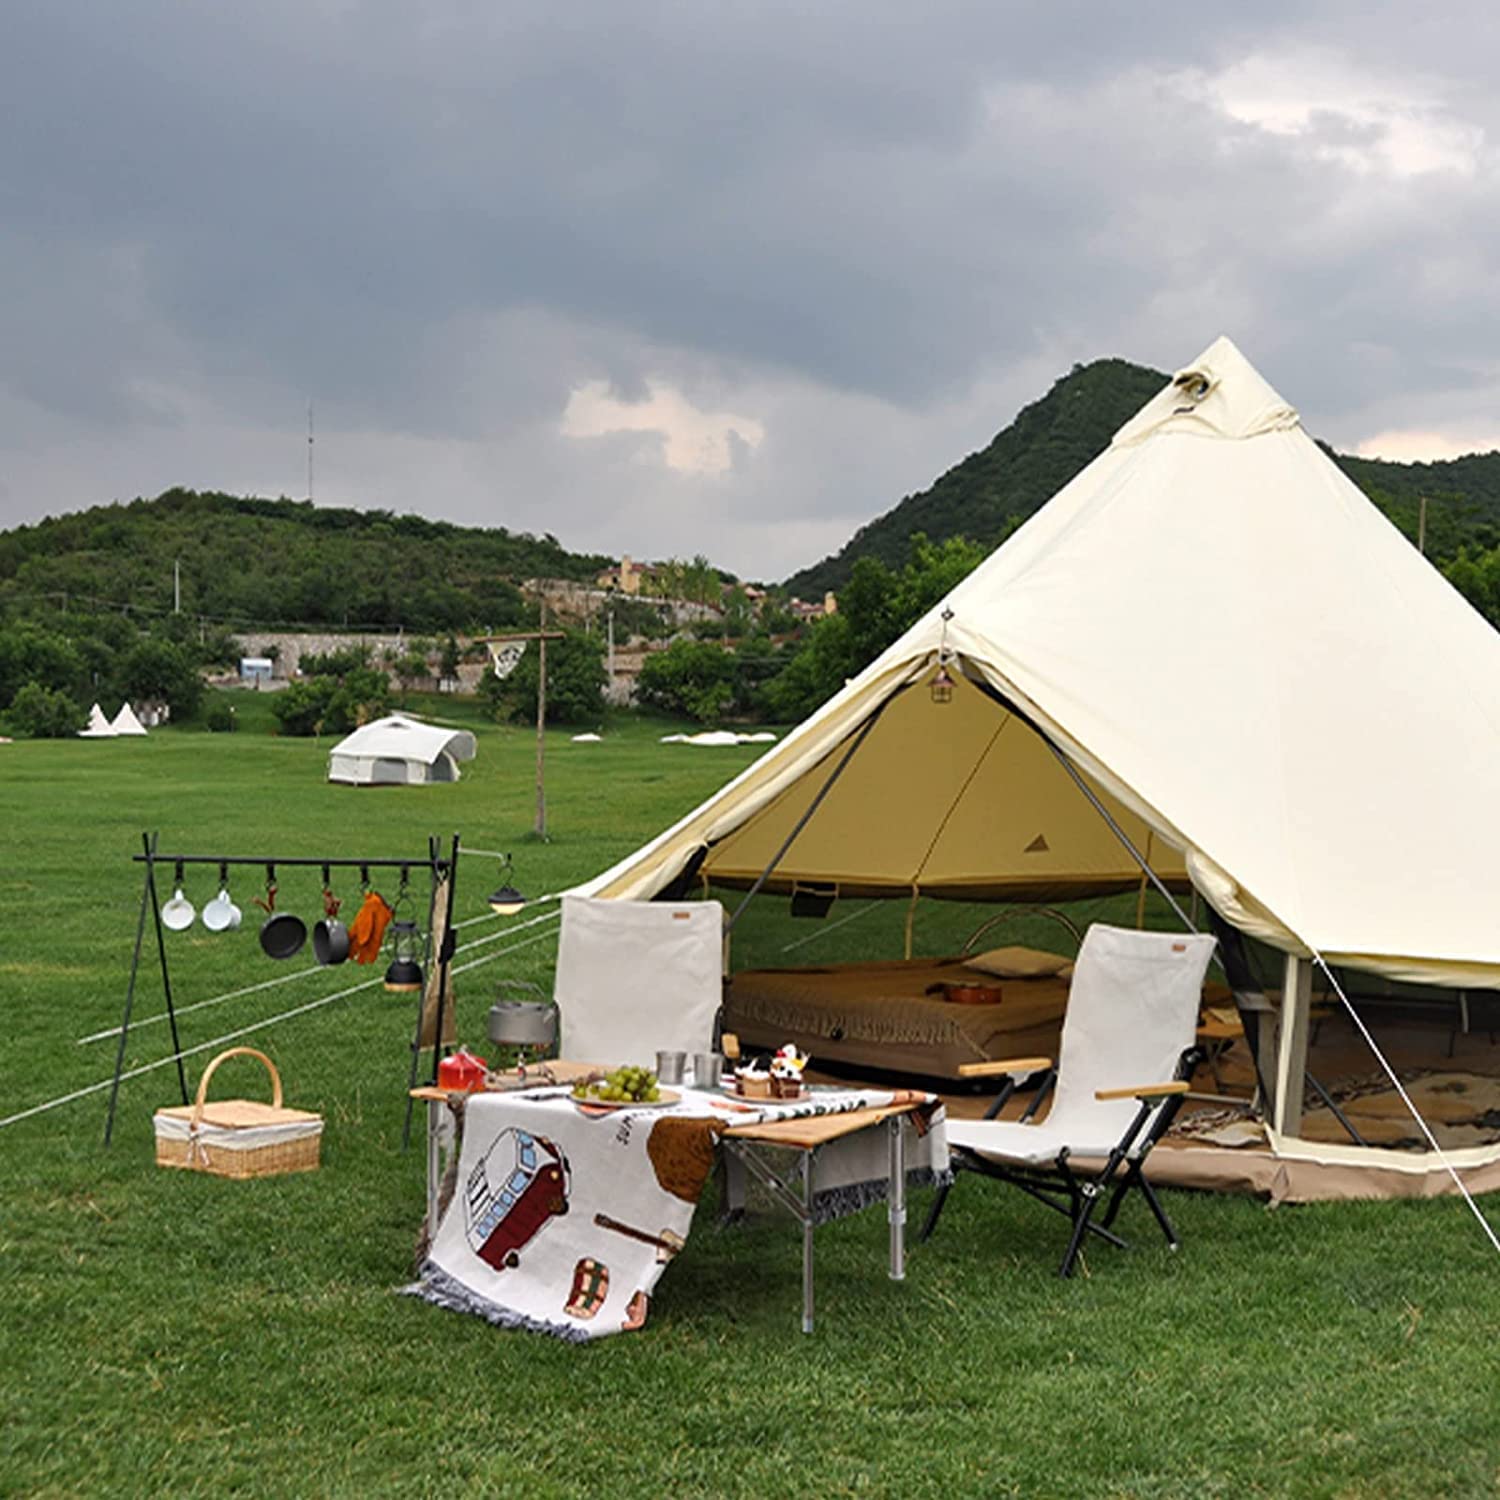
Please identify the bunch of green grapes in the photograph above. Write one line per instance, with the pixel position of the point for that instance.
(630, 1085)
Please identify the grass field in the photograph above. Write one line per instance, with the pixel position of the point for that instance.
(168, 1333)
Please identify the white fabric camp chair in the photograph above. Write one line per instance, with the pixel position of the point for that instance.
(1126, 1054)
(636, 977)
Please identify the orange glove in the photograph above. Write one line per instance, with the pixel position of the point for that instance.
(367, 930)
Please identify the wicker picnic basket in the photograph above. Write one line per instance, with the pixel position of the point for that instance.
(238, 1137)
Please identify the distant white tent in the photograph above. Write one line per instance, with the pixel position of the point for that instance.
(99, 728)
(400, 751)
(125, 722)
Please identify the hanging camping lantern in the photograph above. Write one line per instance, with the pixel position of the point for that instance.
(505, 900)
(941, 685)
(405, 969)
(404, 972)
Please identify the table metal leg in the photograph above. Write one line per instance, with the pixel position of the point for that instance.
(896, 1198)
(807, 1242)
(435, 1110)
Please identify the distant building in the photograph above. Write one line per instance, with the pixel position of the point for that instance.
(628, 577)
(804, 610)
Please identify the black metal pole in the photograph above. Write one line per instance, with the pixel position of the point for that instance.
(313, 862)
(166, 978)
(416, 1040)
(135, 967)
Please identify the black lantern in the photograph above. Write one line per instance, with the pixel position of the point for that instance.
(505, 900)
(404, 971)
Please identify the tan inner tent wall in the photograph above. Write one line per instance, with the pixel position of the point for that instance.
(960, 800)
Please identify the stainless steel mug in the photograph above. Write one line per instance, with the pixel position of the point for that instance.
(708, 1069)
(669, 1066)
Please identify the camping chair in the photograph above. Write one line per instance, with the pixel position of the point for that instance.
(1126, 1055)
(636, 977)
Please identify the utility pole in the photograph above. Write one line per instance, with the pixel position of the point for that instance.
(309, 452)
(541, 637)
(541, 720)
(611, 647)
(176, 585)
(1422, 525)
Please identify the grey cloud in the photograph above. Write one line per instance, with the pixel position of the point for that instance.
(877, 229)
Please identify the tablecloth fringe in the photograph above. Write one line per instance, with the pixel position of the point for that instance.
(834, 1203)
(442, 1290)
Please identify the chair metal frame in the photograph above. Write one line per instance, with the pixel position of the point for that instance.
(1063, 1187)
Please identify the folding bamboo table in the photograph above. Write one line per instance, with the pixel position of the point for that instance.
(748, 1146)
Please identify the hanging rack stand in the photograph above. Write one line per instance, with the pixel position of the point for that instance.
(437, 867)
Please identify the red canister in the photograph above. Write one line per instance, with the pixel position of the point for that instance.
(463, 1072)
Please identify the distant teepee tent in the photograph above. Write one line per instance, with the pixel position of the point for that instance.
(125, 722)
(98, 726)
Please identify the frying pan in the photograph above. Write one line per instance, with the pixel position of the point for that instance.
(281, 934)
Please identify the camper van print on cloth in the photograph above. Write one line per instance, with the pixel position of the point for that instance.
(519, 1184)
(562, 1224)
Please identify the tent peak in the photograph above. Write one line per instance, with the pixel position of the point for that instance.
(1219, 395)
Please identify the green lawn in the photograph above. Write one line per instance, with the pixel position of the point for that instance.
(164, 1332)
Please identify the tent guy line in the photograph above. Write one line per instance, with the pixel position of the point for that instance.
(183, 1010)
(1406, 1099)
(230, 1036)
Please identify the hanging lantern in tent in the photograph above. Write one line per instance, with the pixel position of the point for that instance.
(505, 900)
(404, 971)
(941, 684)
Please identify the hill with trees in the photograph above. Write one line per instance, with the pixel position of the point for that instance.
(987, 495)
(267, 562)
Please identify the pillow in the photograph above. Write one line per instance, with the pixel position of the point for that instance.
(1021, 963)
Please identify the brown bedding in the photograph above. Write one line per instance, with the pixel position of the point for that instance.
(878, 1015)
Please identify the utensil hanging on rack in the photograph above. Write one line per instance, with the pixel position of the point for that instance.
(178, 913)
(330, 937)
(221, 914)
(282, 934)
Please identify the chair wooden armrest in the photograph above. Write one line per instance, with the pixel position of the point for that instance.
(1003, 1066)
(1144, 1091)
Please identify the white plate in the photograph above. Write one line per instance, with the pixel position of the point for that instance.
(668, 1098)
(755, 1101)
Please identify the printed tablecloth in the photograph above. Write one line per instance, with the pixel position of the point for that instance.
(565, 1214)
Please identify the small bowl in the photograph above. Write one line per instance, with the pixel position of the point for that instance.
(972, 994)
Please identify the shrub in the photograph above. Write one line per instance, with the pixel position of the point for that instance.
(218, 717)
(44, 713)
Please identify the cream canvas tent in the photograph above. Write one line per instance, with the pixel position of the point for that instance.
(98, 727)
(125, 722)
(400, 751)
(1267, 687)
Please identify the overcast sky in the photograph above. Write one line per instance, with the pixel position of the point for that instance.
(721, 278)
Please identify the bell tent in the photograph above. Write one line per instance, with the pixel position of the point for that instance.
(1208, 650)
(400, 751)
(98, 727)
(125, 722)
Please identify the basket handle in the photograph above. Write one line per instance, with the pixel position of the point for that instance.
(208, 1073)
